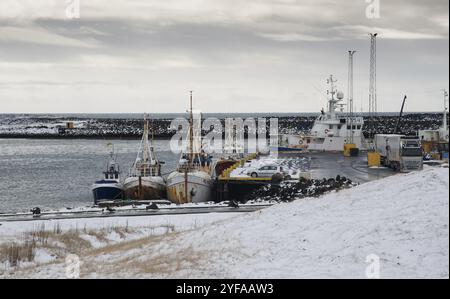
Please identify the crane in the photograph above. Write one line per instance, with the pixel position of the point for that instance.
(397, 126)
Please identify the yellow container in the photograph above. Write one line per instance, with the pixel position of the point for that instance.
(435, 156)
(347, 149)
(373, 159)
(429, 146)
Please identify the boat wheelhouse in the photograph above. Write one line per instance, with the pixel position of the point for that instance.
(331, 130)
(109, 188)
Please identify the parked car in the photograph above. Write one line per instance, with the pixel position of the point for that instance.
(268, 171)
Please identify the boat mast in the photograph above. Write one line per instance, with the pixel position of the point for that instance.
(350, 93)
(444, 120)
(191, 133)
(332, 92)
(112, 159)
(111, 151)
(153, 136)
(145, 154)
(190, 164)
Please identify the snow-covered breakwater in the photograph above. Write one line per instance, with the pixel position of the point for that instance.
(292, 190)
(32, 126)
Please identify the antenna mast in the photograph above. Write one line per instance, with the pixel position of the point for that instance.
(373, 109)
(444, 120)
(350, 92)
(332, 91)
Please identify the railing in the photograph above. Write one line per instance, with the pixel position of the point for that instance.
(226, 173)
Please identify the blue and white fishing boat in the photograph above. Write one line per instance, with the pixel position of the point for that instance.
(109, 188)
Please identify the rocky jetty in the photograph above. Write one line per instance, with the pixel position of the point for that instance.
(288, 190)
(32, 126)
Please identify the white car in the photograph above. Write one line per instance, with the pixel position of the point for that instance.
(268, 171)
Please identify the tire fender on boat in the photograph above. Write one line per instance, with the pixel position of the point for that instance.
(193, 191)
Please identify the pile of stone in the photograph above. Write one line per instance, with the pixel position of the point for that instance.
(288, 190)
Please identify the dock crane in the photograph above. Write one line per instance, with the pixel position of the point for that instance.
(397, 126)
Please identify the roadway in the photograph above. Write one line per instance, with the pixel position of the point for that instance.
(136, 212)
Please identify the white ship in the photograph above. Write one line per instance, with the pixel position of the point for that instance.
(145, 181)
(443, 130)
(192, 181)
(331, 129)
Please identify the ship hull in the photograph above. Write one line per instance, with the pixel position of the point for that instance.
(199, 187)
(312, 143)
(329, 144)
(107, 191)
(149, 188)
(288, 150)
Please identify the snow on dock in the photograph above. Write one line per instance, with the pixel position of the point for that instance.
(402, 219)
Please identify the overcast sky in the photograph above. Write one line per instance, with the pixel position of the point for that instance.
(237, 56)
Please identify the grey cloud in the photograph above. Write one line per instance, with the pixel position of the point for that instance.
(276, 53)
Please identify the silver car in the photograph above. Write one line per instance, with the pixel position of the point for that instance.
(267, 171)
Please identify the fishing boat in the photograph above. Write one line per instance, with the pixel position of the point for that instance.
(109, 188)
(331, 129)
(290, 144)
(145, 181)
(192, 181)
(233, 151)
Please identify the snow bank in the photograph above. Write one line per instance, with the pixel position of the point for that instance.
(403, 219)
(13, 231)
(54, 239)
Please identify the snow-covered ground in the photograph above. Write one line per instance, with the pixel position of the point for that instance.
(294, 166)
(403, 220)
(56, 238)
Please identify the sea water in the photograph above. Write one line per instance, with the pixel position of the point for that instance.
(55, 174)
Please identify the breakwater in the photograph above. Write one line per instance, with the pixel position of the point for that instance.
(123, 128)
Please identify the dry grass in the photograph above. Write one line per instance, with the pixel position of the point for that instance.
(147, 257)
(128, 245)
(166, 264)
(25, 250)
(72, 242)
(162, 264)
(59, 243)
(102, 234)
(56, 241)
(15, 253)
